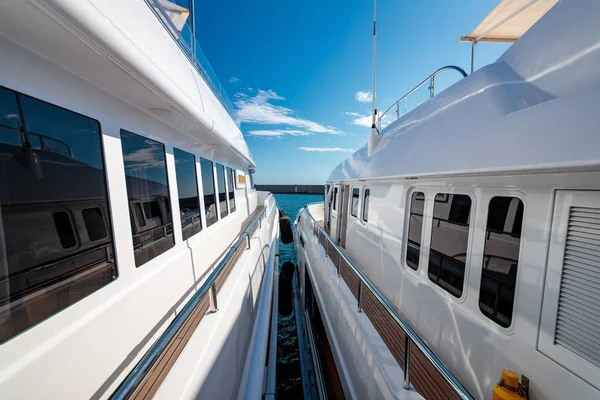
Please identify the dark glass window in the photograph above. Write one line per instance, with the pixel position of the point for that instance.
(187, 189)
(335, 192)
(354, 204)
(222, 190)
(231, 187)
(500, 259)
(208, 187)
(365, 209)
(51, 168)
(415, 228)
(251, 180)
(94, 223)
(449, 239)
(146, 177)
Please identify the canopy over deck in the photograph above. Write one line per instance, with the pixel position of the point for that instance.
(509, 20)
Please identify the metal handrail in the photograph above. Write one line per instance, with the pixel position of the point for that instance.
(431, 80)
(409, 336)
(137, 375)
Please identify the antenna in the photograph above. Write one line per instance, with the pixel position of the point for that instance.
(374, 130)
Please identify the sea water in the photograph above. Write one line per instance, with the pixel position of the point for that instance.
(289, 381)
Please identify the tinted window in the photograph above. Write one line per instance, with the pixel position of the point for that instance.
(354, 205)
(449, 238)
(187, 189)
(49, 173)
(365, 210)
(251, 180)
(208, 187)
(415, 228)
(500, 259)
(222, 191)
(230, 183)
(335, 192)
(94, 223)
(146, 177)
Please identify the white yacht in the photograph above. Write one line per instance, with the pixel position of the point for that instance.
(457, 254)
(136, 258)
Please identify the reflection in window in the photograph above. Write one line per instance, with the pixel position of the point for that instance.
(500, 259)
(230, 183)
(354, 204)
(335, 192)
(365, 210)
(94, 223)
(146, 177)
(449, 239)
(187, 188)
(415, 228)
(51, 171)
(222, 190)
(208, 187)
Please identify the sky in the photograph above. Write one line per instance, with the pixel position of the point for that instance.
(299, 72)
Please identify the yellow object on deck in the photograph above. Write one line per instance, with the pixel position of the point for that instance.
(508, 388)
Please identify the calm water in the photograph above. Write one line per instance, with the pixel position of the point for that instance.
(289, 381)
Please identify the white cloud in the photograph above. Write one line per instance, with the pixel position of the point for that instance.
(360, 119)
(234, 79)
(327, 149)
(363, 97)
(278, 133)
(258, 109)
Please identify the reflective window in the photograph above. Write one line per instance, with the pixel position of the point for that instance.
(222, 190)
(51, 170)
(449, 239)
(230, 184)
(354, 204)
(500, 259)
(415, 228)
(208, 187)
(94, 223)
(148, 195)
(187, 189)
(335, 192)
(251, 180)
(365, 210)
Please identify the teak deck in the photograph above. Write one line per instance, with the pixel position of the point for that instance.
(426, 380)
(159, 371)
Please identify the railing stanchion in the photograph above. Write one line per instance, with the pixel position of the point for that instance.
(338, 264)
(397, 110)
(406, 362)
(359, 295)
(247, 241)
(432, 86)
(212, 296)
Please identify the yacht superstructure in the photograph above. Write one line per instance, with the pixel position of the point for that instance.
(136, 257)
(465, 238)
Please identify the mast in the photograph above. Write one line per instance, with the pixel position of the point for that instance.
(374, 110)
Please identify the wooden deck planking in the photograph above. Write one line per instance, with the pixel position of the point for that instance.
(149, 386)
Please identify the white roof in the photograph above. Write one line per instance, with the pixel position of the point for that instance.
(535, 108)
(509, 20)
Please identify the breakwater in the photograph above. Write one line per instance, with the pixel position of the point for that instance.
(288, 189)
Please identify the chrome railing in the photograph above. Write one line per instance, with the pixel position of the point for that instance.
(410, 336)
(431, 80)
(209, 287)
(187, 41)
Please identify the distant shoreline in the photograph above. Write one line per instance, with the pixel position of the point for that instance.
(292, 189)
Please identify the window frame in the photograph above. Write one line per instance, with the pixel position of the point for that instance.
(358, 189)
(423, 258)
(364, 205)
(199, 191)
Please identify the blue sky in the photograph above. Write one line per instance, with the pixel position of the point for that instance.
(294, 70)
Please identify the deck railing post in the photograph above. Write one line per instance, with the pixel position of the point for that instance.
(212, 296)
(432, 86)
(406, 362)
(397, 110)
(247, 241)
(338, 264)
(359, 295)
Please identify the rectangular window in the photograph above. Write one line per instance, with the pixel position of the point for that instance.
(230, 183)
(52, 167)
(187, 189)
(500, 259)
(146, 178)
(354, 205)
(208, 186)
(222, 190)
(94, 223)
(415, 228)
(335, 192)
(449, 239)
(251, 174)
(365, 209)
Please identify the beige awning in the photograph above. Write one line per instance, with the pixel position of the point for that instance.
(177, 14)
(509, 20)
